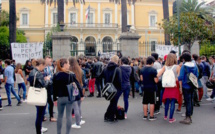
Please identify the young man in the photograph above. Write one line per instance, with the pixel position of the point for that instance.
(96, 71)
(206, 75)
(157, 66)
(187, 67)
(148, 76)
(212, 77)
(9, 83)
(48, 71)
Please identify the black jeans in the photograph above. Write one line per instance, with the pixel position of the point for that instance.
(98, 85)
(112, 108)
(188, 99)
(158, 94)
(39, 118)
(50, 106)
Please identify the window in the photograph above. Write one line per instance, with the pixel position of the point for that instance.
(90, 18)
(107, 18)
(55, 18)
(153, 43)
(72, 18)
(24, 19)
(152, 21)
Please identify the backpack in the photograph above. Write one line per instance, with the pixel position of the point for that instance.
(120, 115)
(168, 79)
(192, 80)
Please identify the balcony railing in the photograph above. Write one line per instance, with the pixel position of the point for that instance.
(89, 25)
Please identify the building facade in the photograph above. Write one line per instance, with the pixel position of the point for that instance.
(100, 30)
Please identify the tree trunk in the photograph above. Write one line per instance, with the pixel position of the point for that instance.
(60, 11)
(12, 23)
(124, 15)
(166, 16)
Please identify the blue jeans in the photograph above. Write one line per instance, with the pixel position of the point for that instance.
(137, 86)
(125, 91)
(0, 102)
(172, 108)
(10, 88)
(98, 85)
(39, 118)
(22, 85)
(188, 98)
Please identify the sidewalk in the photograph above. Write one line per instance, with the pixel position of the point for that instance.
(4, 94)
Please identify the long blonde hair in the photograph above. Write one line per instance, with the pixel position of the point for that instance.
(171, 60)
(75, 68)
(18, 66)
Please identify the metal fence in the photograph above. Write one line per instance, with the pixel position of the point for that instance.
(147, 48)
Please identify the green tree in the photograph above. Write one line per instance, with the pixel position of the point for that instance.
(60, 9)
(4, 41)
(192, 29)
(207, 48)
(124, 11)
(194, 6)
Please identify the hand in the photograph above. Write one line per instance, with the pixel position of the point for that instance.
(55, 103)
(82, 98)
(211, 79)
(47, 78)
(180, 91)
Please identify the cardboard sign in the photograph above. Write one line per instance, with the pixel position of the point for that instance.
(21, 52)
(163, 50)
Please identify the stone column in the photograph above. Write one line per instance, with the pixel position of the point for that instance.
(129, 44)
(116, 13)
(61, 45)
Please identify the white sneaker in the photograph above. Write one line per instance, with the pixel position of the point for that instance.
(24, 101)
(82, 122)
(183, 115)
(1, 108)
(43, 130)
(76, 126)
(210, 99)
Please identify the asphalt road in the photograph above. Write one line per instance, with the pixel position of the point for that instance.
(20, 120)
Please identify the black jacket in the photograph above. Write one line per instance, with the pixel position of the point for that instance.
(96, 69)
(60, 82)
(40, 81)
(108, 72)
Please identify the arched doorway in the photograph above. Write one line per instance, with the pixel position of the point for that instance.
(107, 43)
(74, 46)
(90, 46)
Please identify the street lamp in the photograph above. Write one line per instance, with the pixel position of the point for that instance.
(62, 26)
(128, 28)
(178, 14)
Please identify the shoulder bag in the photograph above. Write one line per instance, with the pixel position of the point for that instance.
(109, 91)
(37, 96)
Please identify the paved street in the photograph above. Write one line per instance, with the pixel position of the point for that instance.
(20, 120)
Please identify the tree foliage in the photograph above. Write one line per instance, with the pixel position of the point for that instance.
(4, 41)
(192, 29)
(194, 6)
(207, 48)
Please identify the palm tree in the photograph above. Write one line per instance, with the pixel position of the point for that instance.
(198, 8)
(60, 9)
(124, 11)
(166, 16)
(12, 22)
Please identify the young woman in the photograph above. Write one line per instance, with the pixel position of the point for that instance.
(75, 68)
(60, 81)
(180, 99)
(40, 82)
(170, 94)
(20, 80)
(27, 69)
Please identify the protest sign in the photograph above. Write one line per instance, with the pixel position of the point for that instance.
(163, 50)
(26, 51)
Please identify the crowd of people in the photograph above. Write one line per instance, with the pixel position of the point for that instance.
(157, 80)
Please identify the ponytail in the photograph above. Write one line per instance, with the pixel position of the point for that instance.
(60, 64)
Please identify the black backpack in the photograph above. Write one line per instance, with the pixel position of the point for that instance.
(120, 115)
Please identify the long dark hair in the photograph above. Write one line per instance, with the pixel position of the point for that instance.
(75, 68)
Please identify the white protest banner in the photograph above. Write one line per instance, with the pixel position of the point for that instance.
(26, 51)
(163, 50)
(107, 55)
